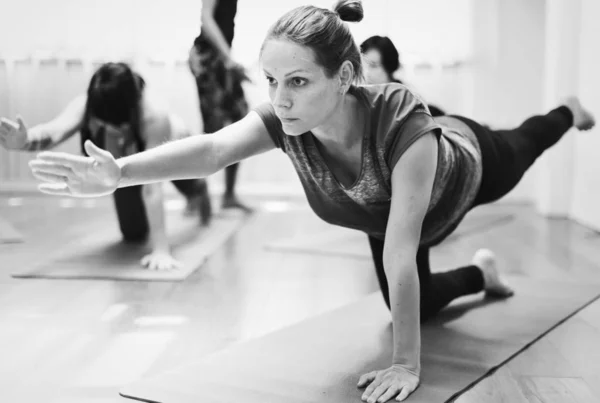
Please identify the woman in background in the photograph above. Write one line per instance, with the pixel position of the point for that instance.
(118, 115)
(219, 80)
(381, 60)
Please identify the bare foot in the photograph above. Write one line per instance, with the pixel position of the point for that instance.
(485, 259)
(582, 118)
(200, 205)
(232, 202)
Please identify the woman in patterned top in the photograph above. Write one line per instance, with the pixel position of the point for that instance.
(219, 80)
(370, 158)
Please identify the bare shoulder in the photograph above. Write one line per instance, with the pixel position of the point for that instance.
(154, 108)
(155, 118)
(79, 101)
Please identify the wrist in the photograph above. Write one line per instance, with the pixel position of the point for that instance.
(122, 164)
(161, 246)
(413, 369)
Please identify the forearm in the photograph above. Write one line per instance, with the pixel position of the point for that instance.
(154, 203)
(39, 138)
(403, 284)
(186, 158)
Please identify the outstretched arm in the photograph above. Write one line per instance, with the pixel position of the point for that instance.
(197, 156)
(192, 157)
(412, 183)
(16, 135)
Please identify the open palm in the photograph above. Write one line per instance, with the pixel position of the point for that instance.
(73, 175)
(13, 135)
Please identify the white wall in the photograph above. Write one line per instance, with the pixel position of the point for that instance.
(508, 62)
(98, 28)
(586, 176)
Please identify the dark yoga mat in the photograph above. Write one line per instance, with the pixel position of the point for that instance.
(101, 255)
(321, 359)
(326, 239)
(8, 234)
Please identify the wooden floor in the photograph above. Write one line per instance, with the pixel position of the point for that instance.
(79, 341)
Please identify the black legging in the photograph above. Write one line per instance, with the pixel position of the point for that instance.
(131, 209)
(506, 156)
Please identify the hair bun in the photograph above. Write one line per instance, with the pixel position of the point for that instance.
(349, 10)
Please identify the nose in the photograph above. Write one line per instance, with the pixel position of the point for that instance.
(281, 99)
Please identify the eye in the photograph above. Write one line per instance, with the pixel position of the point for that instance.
(270, 80)
(298, 82)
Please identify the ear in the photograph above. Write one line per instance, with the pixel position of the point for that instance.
(346, 76)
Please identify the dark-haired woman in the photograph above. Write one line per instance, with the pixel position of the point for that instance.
(381, 60)
(118, 115)
(370, 158)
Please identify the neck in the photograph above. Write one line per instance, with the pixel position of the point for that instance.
(344, 128)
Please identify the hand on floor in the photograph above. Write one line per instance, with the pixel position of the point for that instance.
(160, 261)
(388, 383)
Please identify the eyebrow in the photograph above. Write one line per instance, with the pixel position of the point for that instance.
(290, 73)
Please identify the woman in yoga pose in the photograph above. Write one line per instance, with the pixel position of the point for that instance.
(370, 158)
(118, 115)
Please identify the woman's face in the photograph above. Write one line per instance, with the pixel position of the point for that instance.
(301, 93)
(110, 129)
(374, 71)
(114, 136)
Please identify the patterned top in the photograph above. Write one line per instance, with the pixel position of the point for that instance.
(396, 118)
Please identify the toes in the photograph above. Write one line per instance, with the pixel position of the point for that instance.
(500, 292)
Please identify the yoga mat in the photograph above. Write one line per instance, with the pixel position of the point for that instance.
(8, 234)
(327, 239)
(322, 358)
(102, 255)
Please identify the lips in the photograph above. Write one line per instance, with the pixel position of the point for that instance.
(288, 120)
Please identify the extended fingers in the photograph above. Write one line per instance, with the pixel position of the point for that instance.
(371, 388)
(390, 393)
(52, 178)
(366, 378)
(406, 390)
(386, 391)
(55, 189)
(51, 168)
(377, 392)
(72, 161)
